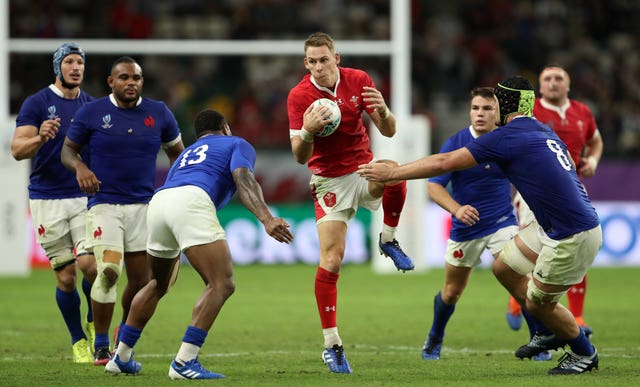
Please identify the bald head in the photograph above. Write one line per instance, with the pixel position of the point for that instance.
(554, 85)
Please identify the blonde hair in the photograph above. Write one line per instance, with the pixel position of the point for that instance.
(319, 39)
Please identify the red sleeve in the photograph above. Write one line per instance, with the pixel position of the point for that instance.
(295, 110)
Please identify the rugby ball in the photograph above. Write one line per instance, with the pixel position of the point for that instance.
(336, 116)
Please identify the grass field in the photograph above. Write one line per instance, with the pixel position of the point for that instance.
(268, 333)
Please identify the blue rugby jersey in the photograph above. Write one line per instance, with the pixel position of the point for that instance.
(537, 162)
(208, 164)
(124, 145)
(484, 187)
(49, 179)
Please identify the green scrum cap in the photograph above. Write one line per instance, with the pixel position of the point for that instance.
(515, 94)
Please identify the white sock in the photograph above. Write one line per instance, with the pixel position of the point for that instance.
(388, 233)
(331, 337)
(187, 352)
(124, 352)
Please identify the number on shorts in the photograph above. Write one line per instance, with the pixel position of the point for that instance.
(560, 154)
(195, 156)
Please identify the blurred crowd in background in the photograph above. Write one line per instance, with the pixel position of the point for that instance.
(456, 45)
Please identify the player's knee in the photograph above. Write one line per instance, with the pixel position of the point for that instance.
(539, 297)
(109, 274)
(104, 289)
(60, 254)
(513, 257)
(451, 294)
(88, 267)
(226, 287)
(66, 278)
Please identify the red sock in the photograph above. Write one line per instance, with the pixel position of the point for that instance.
(575, 296)
(514, 306)
(393, 198)
(327, 297)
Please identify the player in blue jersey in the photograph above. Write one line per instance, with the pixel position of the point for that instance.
(57, 205)
(481, 212)
(123, 133)
(543, 261)
(183, 217)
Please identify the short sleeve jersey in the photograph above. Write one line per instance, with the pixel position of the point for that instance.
(537, 163)
(124, 145)
(574, 126)
(349, 146)
(484, 187)
(49, 179)
(208, 163)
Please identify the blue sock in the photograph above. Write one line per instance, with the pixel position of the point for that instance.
(129, 335)
(102, 340)
(195, 336)
(121, 325)
(581, 345)
(86, 289)
(441, 314)
(69, 305)
(534, 324)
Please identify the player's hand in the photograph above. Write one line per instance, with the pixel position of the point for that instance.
(587, 166)
(278, 229)
(373, 99)
(378, 172)
(87, 180)
(467, 215)
(315, 118)
(49, 129)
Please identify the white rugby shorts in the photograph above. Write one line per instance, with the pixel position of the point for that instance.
(179, 218)
(121, 227)
(338, 198)
(467, 253)
(563, 262)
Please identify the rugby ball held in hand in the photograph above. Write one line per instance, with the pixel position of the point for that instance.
(336, 116)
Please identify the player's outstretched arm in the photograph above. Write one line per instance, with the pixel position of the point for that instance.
(250, 194)
(429, 166)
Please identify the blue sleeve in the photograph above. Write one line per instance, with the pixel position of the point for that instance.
(244, 156)
(171, 131)
(28, 114)
(79, 131)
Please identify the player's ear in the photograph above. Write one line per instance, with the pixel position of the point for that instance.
(337, 58)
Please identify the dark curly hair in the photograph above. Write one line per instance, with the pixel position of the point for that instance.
(208, 120)
(515, 94)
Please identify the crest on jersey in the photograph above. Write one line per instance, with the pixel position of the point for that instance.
(106, 121)
(149, 122)
(329, 199)
(355, 101)
(52, 112)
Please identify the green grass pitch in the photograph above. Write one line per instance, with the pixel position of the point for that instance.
(268, 333)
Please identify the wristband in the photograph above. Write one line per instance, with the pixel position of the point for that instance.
(306, 136)
(385, 115)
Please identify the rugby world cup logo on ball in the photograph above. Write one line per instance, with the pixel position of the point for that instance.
(335, 115)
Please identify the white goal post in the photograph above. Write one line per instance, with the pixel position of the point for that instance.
(411, 130)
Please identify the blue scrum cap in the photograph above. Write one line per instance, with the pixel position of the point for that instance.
(61, 53)
(515, 95)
